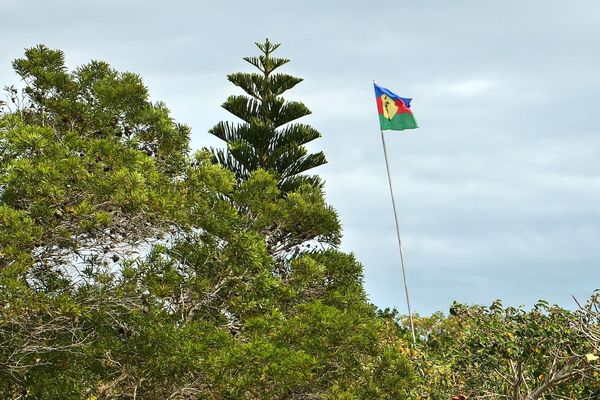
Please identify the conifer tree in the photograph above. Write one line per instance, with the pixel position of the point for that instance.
(268, 138)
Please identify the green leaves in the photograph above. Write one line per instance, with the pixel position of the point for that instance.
(297, 218)
(507, 351)
(97, 101)
(18, 235)
(89, 160)
(130, 269)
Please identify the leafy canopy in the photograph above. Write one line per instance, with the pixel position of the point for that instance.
(130, 269)
(87, 162)
(506, 352)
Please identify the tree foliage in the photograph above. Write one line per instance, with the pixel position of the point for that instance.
(506, 352)
(268, 138)
(86, 162)
(131, 269)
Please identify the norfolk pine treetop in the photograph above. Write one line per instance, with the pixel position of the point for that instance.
(267, 138)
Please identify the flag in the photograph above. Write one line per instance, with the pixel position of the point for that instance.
(394, 111)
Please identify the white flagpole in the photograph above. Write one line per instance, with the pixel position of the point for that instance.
(387, 167)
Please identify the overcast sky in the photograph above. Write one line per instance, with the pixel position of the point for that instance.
(498, 191)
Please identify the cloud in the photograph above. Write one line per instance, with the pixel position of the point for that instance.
(467, 88)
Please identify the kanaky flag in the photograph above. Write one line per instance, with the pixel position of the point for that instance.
(394, 111)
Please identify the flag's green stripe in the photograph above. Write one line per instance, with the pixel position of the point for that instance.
(399, 122)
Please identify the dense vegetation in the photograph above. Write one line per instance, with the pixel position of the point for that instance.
(508, 353)
(131, 268)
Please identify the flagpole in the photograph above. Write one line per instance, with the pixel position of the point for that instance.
(387, 167)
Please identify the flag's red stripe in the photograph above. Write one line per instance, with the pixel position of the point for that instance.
(379, 106)
(402, 107)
